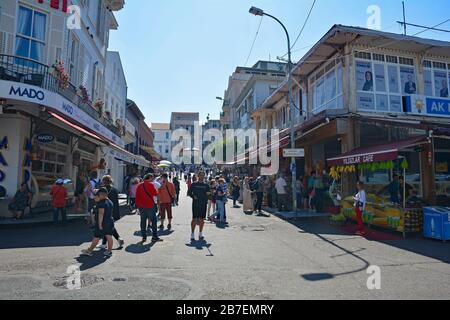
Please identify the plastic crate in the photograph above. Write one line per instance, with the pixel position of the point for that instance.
(436, 223)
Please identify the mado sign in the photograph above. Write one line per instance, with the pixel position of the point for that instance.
(45, 138)
(428, 106)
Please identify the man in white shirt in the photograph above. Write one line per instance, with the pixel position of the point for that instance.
(360, 207)
(280, 186)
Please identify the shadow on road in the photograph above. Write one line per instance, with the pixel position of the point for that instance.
(72, 235)
(139, 248)
(87, 262)
(200, 245)
(432, 249)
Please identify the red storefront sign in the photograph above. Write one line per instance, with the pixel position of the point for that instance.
(386, 152)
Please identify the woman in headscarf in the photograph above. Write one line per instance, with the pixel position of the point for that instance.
(248, 196)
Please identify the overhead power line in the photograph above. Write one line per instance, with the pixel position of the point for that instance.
(303, 27)
(254, 41)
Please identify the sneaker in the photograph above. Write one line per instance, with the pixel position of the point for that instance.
(102, 246)
(161, 227)
(121, 243)
(169, 227)
(107, 254)
(201, 238)
(144, 240)
(86, 253)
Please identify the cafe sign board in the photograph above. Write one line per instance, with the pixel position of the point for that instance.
(387, 155)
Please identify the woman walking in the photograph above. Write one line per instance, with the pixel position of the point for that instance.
(176, 183)
(235, 191)
(360, 207)
(211, 199)
(248, 196)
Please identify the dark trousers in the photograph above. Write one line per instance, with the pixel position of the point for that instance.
(145, 215)
(259, 201)
(282, 202)
(56, 212)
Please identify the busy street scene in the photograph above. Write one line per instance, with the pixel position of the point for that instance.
(311, 163)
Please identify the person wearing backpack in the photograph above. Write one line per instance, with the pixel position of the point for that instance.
(167, 195)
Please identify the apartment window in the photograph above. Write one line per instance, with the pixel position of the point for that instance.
(382, 83)
(74, 53)
(327, 88)
(167, 136)
(437, 79)
(30, 38)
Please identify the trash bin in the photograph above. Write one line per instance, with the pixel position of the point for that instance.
(436, 223)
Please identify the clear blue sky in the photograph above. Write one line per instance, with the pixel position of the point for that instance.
(178, 54)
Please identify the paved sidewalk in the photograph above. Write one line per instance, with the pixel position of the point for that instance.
(46, 218)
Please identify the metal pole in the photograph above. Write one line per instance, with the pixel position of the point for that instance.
(291, 111)
(404, 17)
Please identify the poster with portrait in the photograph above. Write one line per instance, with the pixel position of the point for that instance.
(380, 78)
(393, 79)
(440, 84)
(396, 103)
(428, 83)
(366, 101)
(382, 102)
(364, 76)
(408, 80)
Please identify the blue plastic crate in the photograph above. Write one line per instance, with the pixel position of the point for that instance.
(436, 223)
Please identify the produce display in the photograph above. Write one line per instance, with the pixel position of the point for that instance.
(378, 212)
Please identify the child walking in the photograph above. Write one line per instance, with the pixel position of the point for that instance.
(104, 223)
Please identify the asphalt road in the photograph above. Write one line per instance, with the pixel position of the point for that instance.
(252, 258)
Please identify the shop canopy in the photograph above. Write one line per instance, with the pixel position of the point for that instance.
(386, 152)
(77, 128)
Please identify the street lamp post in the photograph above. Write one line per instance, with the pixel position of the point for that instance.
(259, 12)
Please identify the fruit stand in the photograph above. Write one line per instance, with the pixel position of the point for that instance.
(405, 218)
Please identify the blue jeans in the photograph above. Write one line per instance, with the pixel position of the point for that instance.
(221, 209)
(145, 215)
(56, 212)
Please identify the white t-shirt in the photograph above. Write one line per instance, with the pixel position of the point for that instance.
(281, 185)
(361, 197)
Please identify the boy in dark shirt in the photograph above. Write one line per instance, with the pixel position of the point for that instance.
(104, 222)
(199, 192)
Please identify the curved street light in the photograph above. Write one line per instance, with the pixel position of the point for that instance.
(259, 12)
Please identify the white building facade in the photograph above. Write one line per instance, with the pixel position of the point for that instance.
(52, 89)
(162, 142)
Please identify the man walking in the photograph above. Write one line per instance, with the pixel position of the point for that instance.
(59, 202)
(199, 193)
(259, 191)
(145, 202)
(280, 186)
(166, 197)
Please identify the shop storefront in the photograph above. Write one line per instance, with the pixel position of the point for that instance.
(44, 138)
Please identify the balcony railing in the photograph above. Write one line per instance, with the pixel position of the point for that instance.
(17, 69)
